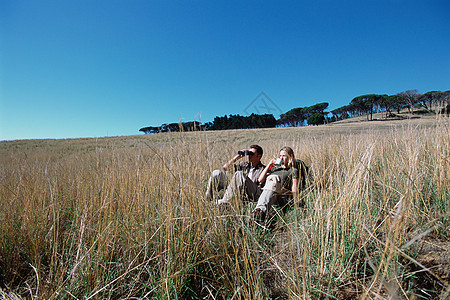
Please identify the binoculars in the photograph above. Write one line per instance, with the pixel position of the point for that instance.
(246, 152)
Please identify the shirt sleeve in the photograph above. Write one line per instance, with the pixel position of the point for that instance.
(240, 166)
(295, 173)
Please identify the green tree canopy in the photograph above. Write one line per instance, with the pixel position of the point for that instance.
(316, 119)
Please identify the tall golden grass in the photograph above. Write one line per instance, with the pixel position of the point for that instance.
(126, 217)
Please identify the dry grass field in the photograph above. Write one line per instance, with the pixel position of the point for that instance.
(127, 218)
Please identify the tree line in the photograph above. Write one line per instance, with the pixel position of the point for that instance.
(389, 104)
(300, 116)
(242, 122)
(174, 127)
(316, 115)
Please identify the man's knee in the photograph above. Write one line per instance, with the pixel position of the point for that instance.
(218, 176)
(216, 173)
(239, 175)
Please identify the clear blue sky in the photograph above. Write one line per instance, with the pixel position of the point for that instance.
(95, 68)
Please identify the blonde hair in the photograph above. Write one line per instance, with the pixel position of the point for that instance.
(291, 157)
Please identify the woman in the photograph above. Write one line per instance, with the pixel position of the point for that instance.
(281, 179)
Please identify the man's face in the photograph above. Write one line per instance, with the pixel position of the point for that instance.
(255, 158)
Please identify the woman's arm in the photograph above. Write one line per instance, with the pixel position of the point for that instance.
(266, 171)
(293, 190)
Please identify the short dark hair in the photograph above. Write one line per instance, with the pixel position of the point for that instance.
(258, 148)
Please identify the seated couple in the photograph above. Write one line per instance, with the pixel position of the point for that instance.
(255, 181)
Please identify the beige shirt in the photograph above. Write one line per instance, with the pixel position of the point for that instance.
(252, 172)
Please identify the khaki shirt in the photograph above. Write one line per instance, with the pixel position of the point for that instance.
(252, 173)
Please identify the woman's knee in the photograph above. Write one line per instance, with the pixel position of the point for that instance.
(273, 183)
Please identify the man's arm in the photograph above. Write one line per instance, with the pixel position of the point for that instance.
(231, 161)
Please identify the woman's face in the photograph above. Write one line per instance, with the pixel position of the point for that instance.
(284, 157)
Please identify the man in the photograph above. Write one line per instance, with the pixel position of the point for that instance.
(245, 179)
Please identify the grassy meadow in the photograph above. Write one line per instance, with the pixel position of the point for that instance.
(127, 218)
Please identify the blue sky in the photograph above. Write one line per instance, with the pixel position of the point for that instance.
(95, 68)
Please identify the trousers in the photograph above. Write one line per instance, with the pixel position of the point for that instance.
(271, 189)
(239, 186)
